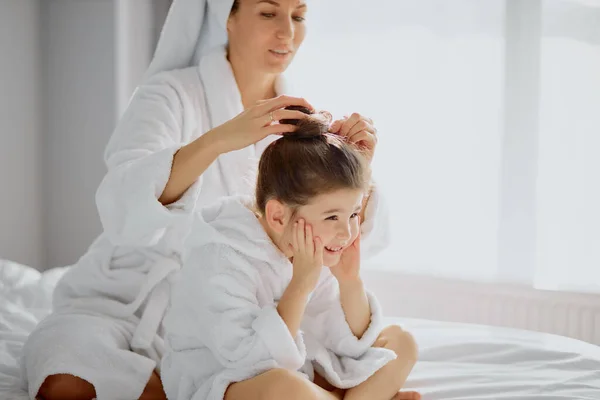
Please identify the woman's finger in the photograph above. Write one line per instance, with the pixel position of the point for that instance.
(365, 137)
(277, 129)
(337, 125)
(282, 114)
(349, 124)
(362, 125)
(280, 102)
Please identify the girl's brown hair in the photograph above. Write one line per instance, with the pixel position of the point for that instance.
(307, 163)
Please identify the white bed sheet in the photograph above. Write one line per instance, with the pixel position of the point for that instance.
(457, 361)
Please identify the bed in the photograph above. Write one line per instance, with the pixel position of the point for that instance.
(457, 361)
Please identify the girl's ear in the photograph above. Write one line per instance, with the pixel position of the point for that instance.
(277, 215)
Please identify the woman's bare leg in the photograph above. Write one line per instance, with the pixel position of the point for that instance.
(278, 384)
(70, 387)
(66, 387)
(154, 389)
(385, 383)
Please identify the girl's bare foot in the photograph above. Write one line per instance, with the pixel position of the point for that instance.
(410, 395)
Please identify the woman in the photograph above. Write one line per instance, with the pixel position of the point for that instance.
(192, 133)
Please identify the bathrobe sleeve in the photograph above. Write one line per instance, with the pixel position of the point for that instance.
(240, 333)
(339, 356)
(328, 321)
(139, 157)
(375, 229)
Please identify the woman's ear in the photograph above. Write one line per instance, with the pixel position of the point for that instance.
(276, 215)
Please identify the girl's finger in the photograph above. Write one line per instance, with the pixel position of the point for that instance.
(295, 237)
(356, 243)
(318, 251)
(301, 236)
(310, 245)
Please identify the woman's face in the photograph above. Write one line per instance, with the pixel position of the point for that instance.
(265, 35)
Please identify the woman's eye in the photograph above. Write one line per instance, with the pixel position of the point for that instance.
(299, 19)
(267, 15)
(332, 218)
(354, 215)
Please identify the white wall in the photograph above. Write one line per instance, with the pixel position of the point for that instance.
(79, 58)
(20, 162)
(138, 25)
(66, 70)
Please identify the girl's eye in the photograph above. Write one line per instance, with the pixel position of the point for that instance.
(354, 215)
(332, 218)
(299, 19)
(267, 15)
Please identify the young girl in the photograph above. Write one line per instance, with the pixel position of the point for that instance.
(269, 303)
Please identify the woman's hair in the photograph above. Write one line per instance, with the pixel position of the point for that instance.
(235, 6)
(306, 163)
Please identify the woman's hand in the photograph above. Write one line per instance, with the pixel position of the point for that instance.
(258, 122)
(358, 130)
(348, 268)
(308, 257)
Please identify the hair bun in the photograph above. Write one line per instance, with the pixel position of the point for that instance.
(307, 128)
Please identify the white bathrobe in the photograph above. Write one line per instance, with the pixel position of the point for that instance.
(114, 299)
(223, 325)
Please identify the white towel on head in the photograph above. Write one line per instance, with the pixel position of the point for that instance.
(192, 29)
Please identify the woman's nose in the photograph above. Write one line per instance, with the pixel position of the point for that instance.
(286, 29)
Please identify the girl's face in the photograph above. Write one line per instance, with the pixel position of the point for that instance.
(266, 34)
(334, 219)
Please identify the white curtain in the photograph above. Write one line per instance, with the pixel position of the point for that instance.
(489, 120)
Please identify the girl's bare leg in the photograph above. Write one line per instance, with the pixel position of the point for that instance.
(385, 383)
(322, 383)
(70, 387)
(278, 384)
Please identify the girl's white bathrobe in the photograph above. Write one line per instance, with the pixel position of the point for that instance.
(223, 325)
(109, 307)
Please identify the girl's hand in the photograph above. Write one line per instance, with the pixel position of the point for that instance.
(357, 130)
(348, 268)
(258, 122)
(308, 257)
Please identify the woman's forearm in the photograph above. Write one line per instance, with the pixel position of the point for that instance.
(188, 164)
(355, 304)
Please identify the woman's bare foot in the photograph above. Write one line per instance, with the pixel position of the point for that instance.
(409, 395)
